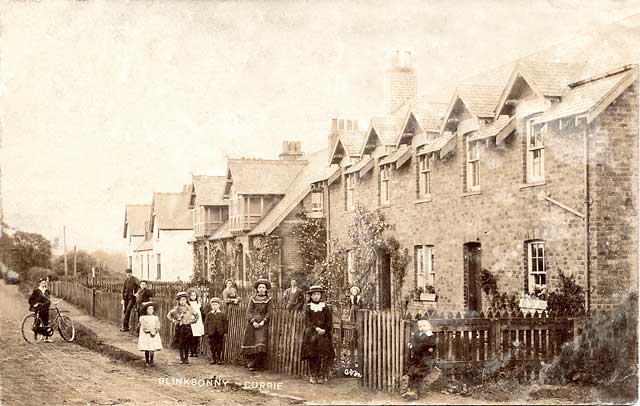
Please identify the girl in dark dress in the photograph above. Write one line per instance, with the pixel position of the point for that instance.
(256, 335)
(182, 315)
(317, 345)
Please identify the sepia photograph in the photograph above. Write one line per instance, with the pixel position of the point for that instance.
(288, 202)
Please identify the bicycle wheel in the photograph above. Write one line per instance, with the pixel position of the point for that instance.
(28, 329)
(66, 328)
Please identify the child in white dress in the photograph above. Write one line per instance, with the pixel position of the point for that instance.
(149, 338)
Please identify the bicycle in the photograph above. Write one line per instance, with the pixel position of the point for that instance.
(33, 329)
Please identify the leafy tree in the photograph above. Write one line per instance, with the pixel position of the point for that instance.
(84, 263)
(29, 250)
(311, 235)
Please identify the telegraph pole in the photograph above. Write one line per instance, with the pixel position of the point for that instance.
(64, 232)
(75, 263)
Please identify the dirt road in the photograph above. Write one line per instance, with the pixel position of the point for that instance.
(66, 374)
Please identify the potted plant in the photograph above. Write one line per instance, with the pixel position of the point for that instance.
(534, 301)
(428, 293)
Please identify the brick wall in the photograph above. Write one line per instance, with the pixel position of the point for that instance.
(614, 191)
(507, 213)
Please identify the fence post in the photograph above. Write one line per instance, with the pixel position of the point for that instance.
(359, 335)
(93, 302)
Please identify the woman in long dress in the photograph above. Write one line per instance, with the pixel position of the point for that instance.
(255, 344)
(197, 328)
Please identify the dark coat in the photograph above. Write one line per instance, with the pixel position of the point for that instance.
(314, 344)
(144, 295)
(422, 355)
(293, 301)
(216, 323)
(129, 288)
(38, 297)
(256, 340)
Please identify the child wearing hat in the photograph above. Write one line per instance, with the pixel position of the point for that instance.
(182, 315)
(256, 335)
(317, 345)
(215, 327)
(421, 362)
(149, 339)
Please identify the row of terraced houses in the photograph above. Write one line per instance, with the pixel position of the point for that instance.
(529, 170)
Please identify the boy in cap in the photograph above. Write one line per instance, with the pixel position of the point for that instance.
(215, 327)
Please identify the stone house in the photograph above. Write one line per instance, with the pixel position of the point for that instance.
(209, 210)
(135, 218)
(164, 254)
(522, 180)
(265, 198)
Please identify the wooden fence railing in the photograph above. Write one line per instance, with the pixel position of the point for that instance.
(465, 346)
(378, 340)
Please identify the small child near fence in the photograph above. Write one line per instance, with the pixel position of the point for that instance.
(421, 362)
(215, 327)
(182, 315)
(149, 339)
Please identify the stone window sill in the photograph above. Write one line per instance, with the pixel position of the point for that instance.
(426, 199)
(533, 184)
(472, 193)
(385, 205)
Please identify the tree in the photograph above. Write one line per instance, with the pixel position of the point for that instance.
(29, 250)
(84, 263)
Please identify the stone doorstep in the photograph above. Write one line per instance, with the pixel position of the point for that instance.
(293, 389)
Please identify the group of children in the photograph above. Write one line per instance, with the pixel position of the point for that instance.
(317, 345)
(187, 316)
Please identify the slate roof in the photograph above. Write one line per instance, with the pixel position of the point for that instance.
(585, 97)
(481, 100)
(326, 173)
(295, 193)
(429, 114)
(263, 176)
(358, 165)
(135, 216)
(222, 232)
(395, 155)
(549, 78)
(437, 144)
(172, 211)
(209, 190)
(492, 129)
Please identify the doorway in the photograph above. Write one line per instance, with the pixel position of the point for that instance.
(472, 268)
(383, 263)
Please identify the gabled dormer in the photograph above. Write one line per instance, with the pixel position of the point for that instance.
(345, 140)
(533, 87)
(422, 123)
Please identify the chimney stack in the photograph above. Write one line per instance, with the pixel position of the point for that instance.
(291, 150)
(401, 82)
(339, 126)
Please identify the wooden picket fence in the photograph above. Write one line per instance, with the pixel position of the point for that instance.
(466, 347)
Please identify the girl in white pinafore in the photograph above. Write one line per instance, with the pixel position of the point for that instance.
(197, 328)
(149, 338)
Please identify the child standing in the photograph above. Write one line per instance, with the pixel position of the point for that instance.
(255, 344)
(317, 345)
(215, 327)
(149, 339)
(182, 315)
(421, 360)
(197, 328)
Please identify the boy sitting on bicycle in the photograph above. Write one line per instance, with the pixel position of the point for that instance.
(39, 303)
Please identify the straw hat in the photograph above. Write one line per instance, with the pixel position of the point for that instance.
(181, 294)
(262, 281)
(144, 305)
(316, 288)
(215, 300)
(355, 286)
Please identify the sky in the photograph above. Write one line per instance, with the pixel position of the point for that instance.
(104, 102)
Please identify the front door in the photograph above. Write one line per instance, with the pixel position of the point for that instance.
(384, 280)
(472, 287)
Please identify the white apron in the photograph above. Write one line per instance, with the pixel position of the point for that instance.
(197, 328)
